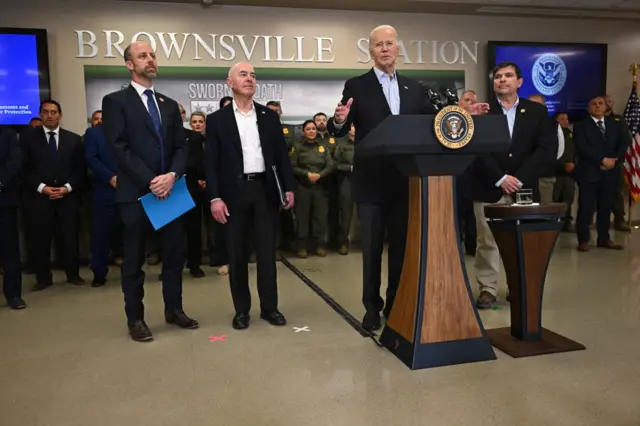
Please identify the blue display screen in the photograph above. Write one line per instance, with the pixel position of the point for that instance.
(19, 78)
(567, 75)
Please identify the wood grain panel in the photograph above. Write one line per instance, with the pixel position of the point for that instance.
(537, 246)
(403, 314)
(448, 314)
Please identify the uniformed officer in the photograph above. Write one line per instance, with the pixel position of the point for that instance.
(332, 182)
(286, 233)
(312, 163)
(344, 164)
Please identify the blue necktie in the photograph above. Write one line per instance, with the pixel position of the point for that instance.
(52, 146)
(155, 118)
(602, 129)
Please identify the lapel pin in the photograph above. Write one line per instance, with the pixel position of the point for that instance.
(161, 99)
(263, 112)
(522, 110)
(406, 87)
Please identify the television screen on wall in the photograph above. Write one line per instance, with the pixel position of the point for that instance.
(24, 74)
(567, 74)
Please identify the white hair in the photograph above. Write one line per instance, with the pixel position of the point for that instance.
(379, 28)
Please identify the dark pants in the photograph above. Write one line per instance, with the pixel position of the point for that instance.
(45, 217)
(10, 253)
(106, 233)
(346, 209)
(332, 184)
(564, 192)
(467, 224)
(312, 205)
(193, 228)
(253, 216)
(595, 197)
(375, 218)
(171, 243)
(618, 199)
(287, 229)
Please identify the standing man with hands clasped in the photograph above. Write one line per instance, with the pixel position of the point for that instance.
(145, 130)
(247, 167)
(499, 175)
(379, 189)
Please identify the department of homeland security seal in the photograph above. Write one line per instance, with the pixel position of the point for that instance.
(453, 126)
(549, 74)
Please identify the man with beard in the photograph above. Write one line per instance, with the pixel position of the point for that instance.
(145, 131)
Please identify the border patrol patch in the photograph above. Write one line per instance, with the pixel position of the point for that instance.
(454, 127)
(321, 148)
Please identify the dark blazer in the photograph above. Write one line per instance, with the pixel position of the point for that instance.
(569, 154)
(592, 148)
(377, 180)
(10, 167)
(101, 162)
(533, 150)
(39, 167)
(224, 168)
(195, 159)
(135, 143)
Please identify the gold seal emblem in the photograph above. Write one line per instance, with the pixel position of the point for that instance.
(453, 126)
(332, 140)
(285, 130)
(321, 148)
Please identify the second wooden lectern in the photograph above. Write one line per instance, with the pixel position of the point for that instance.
(434, 321)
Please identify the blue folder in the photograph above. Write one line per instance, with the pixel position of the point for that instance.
(161, 212)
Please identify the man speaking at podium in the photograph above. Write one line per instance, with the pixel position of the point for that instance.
(379, 189)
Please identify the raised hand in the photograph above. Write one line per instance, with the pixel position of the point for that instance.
(342, 112)
(479, 109)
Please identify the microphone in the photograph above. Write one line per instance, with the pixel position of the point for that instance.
(434, 98)
(451, 95)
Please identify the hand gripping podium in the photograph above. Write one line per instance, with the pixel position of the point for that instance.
(434, 321)
(526, 236)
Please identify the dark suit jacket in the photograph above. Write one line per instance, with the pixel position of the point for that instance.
(101, 162)
(377, 180)
(39, 167)
(195, 160)
(533, 150)
(592, 148)
(224, 168)
(569, 154)
(10, 167)
(136, 145)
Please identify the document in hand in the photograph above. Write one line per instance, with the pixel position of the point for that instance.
(161, 212)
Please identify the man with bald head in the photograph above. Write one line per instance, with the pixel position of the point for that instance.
(249, 178)
(379, 189)
(145, 131)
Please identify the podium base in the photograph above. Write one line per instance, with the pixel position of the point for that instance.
(550, 343)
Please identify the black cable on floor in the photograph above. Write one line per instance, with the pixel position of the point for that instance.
(344, 314)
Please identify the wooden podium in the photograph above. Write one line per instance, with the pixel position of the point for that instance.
(525, 236)
(434, 321)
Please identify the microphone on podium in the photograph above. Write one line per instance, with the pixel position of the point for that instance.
(434, 98)
(452, 97)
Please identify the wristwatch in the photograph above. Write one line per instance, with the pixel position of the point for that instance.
(174, 174)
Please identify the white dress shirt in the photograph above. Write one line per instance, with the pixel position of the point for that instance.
(252, 158)
(140, 89)
(57, 138)
(598, 119)
(560, 142)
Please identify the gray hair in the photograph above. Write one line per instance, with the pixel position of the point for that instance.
(381, 27)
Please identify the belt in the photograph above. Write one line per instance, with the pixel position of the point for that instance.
(253, 176)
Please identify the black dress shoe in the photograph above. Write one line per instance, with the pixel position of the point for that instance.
(181, 320)
(196, 272)
(241, 321)
(76, 280)
(17, 303)
(140, 332)
(273, 317)
(98, 282)
(41, 286)
(371, 321)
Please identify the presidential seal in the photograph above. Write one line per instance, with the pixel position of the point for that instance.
(549, 74)
(453, 126)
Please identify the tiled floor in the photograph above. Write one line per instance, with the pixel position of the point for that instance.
(67, 360)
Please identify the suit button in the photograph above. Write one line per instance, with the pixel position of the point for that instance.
(510, 155)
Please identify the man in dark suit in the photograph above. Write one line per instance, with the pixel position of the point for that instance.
(102, 163)
(499, 175)
(145, 131)
(600, 143)
(10, 167)
(379, 189)
(247, 164)
(54, 176)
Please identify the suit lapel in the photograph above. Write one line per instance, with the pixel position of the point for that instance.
(262, 128)
(403, 88)
(521, 111)
(376, 90)
(232, 127)
(136, 100)
(165, 115)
